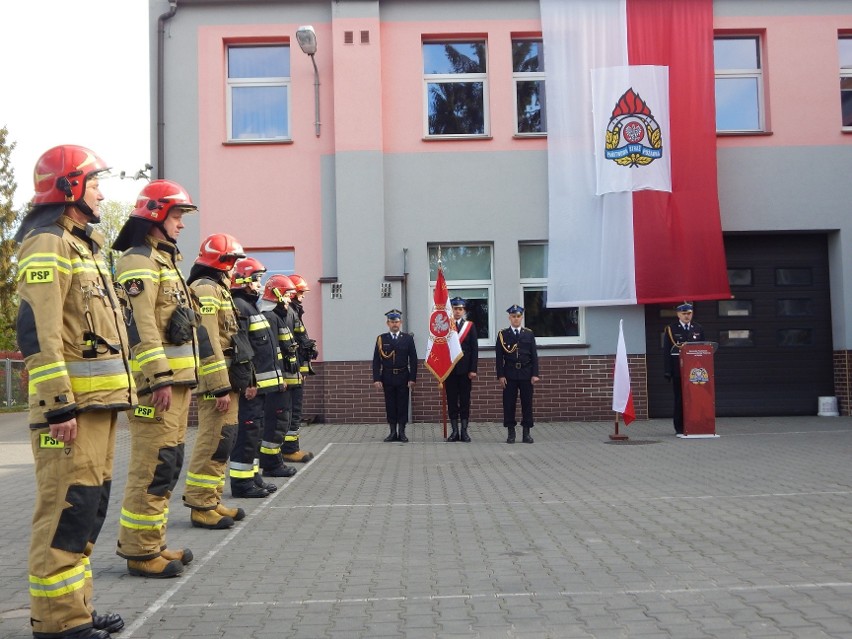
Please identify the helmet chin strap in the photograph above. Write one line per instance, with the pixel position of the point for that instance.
(162, 227)
(86, 210)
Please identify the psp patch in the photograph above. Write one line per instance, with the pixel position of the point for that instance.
(46, 441)
(134, 286)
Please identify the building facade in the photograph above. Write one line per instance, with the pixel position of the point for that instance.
(418, 130)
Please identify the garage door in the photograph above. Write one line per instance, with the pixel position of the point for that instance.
(775, 350)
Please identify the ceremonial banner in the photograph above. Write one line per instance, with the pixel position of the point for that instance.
(444, 349)
(622, 394)
(636, 242)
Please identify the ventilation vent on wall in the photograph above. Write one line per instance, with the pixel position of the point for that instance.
(365, 37)
(348, 37)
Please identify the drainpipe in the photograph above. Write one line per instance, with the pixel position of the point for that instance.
(404, 300)
(161, 124)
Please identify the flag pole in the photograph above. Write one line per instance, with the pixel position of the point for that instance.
(443, 392)
(616, 436)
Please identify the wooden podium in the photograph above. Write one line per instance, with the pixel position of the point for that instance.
(699, 390)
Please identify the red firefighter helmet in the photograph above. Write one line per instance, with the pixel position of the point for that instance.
(158, 198)
(301, 284)
(246, 271)
(220, 251)
(278, 288)
(61, 173)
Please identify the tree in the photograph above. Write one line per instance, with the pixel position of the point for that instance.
(9, 220)
(113, 216)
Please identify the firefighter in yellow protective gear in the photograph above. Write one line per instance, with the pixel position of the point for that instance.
(210, 281)
(72, 333)
(165, 354)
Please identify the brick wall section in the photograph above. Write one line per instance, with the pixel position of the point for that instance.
(843, 381)
(571, 389)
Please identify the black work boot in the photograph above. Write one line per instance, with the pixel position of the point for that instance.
(402, 436)
(88, 633)
(110, 622)
(268, 487)
(510, 434)
(527, 439)
(246, 488)
(279, 471)
(454, 436)
(464, 436)
(392, 437)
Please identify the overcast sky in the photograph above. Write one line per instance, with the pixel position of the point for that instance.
(76, 73)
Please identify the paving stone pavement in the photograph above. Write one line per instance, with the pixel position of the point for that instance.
(747, 535)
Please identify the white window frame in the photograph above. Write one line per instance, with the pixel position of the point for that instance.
(271, 81)
(457, 78)
(534, 283)
(756, 74)
(536, 76)
(456, 285)
(845, 74)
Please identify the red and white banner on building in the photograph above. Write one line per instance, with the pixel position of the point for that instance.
(444, 348)
(621, 231)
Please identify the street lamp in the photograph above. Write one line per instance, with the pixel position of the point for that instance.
(307, 38)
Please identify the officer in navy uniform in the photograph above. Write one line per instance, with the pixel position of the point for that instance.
(459, 382)
(675, 336)
(395, 371)
(517, 370)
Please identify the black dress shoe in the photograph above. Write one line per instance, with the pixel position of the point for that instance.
(249, 490)
(111, 621)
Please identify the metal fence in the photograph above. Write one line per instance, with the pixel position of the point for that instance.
(13, 382)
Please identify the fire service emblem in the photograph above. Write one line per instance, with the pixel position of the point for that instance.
(633, 136)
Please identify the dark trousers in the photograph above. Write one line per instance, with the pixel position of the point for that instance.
(514, 387)
(276, 420)
(298, 395)
(250, 417)
(396, 403)
(677, 416)
(458, 396)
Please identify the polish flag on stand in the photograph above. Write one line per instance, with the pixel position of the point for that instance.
(444, 348)
(622, 395)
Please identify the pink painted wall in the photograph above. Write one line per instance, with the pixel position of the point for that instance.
(266, 195)
(802, 68)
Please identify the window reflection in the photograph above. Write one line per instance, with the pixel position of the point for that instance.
(795, 337)
(455, 78)
(793, 307)
(735, 308)
(736, 338)
(793, 277)
(739, 277)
